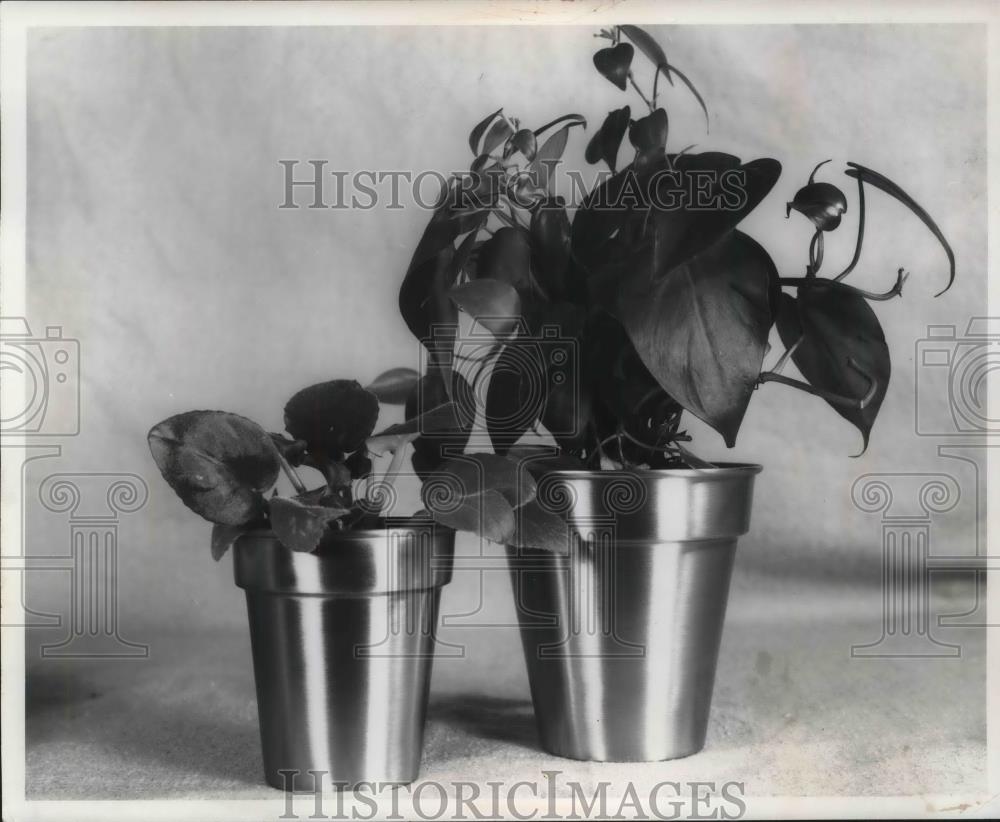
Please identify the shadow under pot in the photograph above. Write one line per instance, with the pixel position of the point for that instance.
(343, 642)
(621, 630)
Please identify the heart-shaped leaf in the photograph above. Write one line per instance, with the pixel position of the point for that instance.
(525, 142)
(430, 450)
(506, 257)
(550, 232)
(725, 191)
(392, 387)
(702, 328)
(649, 132)
(223, 536)
(301, 527)
(498, 134)
(334, 417)
(478, 493)
(614, 63)
(516, 395)
(606, 142)
(477, 133)
(488, 514)
(542, 168)
(837, 326)
(537, 527)
(883, 183)
(423, 298)
(494, 304)
(219, 464)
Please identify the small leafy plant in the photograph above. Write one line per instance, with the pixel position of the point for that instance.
(664, 304)
(222, 466)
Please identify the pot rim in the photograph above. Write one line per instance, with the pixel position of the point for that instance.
(721, 470)
(362, 534)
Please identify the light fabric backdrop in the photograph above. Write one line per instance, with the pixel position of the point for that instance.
(155, 239)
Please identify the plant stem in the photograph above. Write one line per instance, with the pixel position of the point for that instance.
(861, 233)
(286, 466)
(829, 396)
(780, 364)
(638, 91)
(895, 291)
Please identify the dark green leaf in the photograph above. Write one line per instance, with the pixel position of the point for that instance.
(702, 329)
(516, 395)
(219, 464)
(494, 304)
(649, 132)
(605, 143)
(488, 514)
(506, 257)
(837, 325)
(301, 527)
(573, 119)
(478, 493)
(550, 232)
(431, 450)
(443, 417)
(883, 183)
(334, 417)
(691, 87)
(392, 387)
(548, 156)
(525, 142)
(732, 191)
(498, 134)
(480, 129)
(648, 46)
(614, 62)
(540, 528)
(223, 536)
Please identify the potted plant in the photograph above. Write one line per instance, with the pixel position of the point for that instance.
(342, 598)
(607, 328)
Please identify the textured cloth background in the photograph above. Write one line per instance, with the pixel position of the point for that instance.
(155, 238)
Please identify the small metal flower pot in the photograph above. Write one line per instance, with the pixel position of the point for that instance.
(343, 642)
(621, 631)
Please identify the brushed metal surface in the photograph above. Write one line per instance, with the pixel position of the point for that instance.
(621, 631)
(343, 645)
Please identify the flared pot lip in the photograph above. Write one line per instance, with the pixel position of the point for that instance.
(398, 528)
(720, 471)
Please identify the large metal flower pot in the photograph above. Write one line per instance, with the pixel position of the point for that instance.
(621, 630)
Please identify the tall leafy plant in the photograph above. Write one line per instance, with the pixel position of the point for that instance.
(660, 303)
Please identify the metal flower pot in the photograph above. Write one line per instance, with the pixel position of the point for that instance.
(343, 642)
(621, 631)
